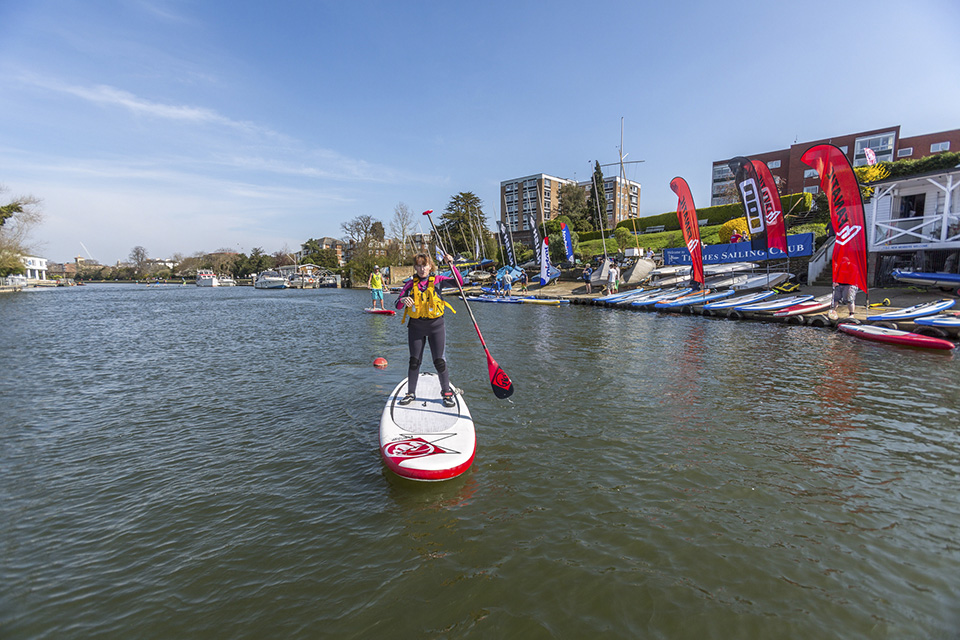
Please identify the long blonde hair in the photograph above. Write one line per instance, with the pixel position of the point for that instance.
(425, 259)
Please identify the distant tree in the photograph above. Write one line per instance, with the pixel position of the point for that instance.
(362, 232)
(377, 232)
(625, 239)
(256, 262)
(17, 218)
(358, 230)
(573, 204)
(283, 257)
(401, 227)
(313, 254)
(138, 258)
(464, 224)
(597, 201)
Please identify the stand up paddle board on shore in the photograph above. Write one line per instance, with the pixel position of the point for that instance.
(893, 336)
(425, 440)
(381, 312)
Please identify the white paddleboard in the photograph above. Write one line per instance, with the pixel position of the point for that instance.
(425, 440)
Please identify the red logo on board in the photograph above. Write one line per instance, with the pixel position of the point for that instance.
(412, 448)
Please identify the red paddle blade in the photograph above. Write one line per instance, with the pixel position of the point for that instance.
(499, 380)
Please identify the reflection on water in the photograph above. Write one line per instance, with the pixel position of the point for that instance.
(189, 462)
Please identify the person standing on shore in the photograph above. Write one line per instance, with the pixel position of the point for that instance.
(587, 274)
(523, 281)
(375, 282)
(421, 300)
(613, 279)
(507, 284)
(843, 294)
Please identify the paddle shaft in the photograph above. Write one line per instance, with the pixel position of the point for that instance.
(459, 286)
(499, 380)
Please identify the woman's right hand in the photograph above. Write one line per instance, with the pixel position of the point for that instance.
(406, 301)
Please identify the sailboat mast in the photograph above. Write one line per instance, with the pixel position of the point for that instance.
(623, 184)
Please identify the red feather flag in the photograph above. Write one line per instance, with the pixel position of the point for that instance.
(839, 182)
(687, 214)
(772, 208)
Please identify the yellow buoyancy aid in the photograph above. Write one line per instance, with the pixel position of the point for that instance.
(376, 281)
(427, 303)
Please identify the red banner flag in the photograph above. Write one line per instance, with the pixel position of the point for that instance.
(687, 214)
(772, 208)
(839, 182)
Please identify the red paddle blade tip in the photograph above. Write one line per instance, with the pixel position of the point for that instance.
(499, 380)
(502, 385)
(428, 212)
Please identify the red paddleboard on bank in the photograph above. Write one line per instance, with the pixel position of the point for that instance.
(425, 440)
(893, 336)
(382, 312)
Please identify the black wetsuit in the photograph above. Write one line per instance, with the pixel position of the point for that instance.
(420, 332)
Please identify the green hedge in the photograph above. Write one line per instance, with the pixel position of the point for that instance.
(936, 162)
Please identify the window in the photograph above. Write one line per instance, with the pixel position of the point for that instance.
(811, 189)
(773, 164)
(810, 173)
(882, 146)
(936, 147)
(912, 206)
(721, 172)
(844, 149)
(903, 153)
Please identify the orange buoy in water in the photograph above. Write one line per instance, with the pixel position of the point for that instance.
(380, 363)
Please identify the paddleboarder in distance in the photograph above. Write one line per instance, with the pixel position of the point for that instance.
(421, 301)
(375, 282)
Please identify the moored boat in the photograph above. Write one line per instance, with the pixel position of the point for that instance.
(269, 279)
(207, 278)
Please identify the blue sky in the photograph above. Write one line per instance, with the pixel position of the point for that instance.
(195, 126)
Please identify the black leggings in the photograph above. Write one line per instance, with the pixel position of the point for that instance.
(420, 332)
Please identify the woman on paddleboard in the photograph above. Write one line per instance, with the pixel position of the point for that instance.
(421, 301)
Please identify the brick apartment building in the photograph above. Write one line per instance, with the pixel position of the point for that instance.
(538, 196)
(793, 176)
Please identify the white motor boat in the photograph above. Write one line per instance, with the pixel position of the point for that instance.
(207, 278)
(227, 281)
(269, 280)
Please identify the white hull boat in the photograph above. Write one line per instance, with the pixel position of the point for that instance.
(206, 278)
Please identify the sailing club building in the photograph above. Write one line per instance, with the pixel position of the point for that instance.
(793, 176)
(912, 223)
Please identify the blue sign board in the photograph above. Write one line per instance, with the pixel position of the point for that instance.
(800, 244)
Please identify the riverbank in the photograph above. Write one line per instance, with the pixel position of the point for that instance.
(898, 297)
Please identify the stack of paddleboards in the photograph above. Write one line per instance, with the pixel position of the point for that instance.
(669, 294)
(696, 297)
(773, 305)
(425, 440)
(733, 303)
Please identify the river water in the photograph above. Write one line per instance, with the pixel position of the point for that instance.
(182, 462)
